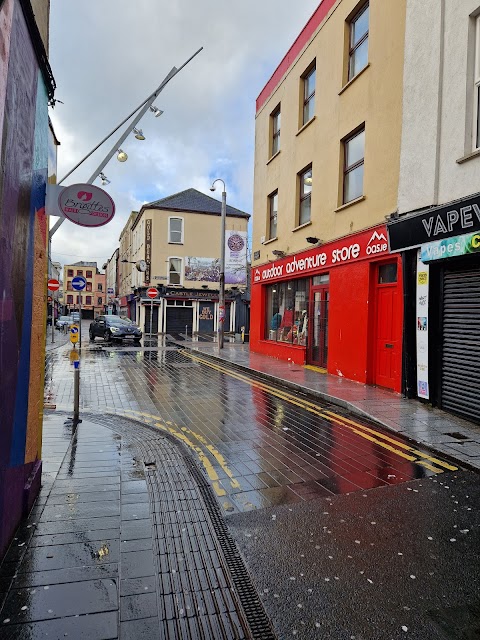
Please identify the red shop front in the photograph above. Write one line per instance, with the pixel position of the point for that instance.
(338, 306)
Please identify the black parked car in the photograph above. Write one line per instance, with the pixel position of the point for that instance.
(114, 328)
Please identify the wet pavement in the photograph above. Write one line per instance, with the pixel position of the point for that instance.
(345, 529)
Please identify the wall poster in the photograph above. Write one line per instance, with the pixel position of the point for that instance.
(422, 328)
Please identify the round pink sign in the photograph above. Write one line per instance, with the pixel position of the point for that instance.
(86, 205)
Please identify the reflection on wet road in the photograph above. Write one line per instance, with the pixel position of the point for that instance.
(259, 444)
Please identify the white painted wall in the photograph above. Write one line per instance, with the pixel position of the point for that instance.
(438, 104)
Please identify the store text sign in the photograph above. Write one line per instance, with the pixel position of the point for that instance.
(437, 223)
(86, 205)
(363, 245)
(451, 247)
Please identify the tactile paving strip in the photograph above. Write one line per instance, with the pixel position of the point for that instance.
(205, 589)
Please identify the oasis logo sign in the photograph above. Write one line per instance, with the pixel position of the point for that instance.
(358, 247)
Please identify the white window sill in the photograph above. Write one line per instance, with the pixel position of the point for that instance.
(273, 157)
(172, 242)
(345, 87)
(469, 156)
(302, 226)
(270, 240)
(349, 204)
(307, 124)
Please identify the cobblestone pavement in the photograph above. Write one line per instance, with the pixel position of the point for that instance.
(259, 445)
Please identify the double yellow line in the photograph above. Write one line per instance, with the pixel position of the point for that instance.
(393, 445)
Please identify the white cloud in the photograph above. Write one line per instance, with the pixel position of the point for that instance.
(108, 55)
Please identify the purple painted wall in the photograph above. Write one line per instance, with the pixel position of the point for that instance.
(23, 158)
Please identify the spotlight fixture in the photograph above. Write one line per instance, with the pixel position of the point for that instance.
(312, 240)
(104, 179)
(156, 111)
(278, 253)
(121, 156)
(138, 134)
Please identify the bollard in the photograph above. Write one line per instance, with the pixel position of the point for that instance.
(76, 391)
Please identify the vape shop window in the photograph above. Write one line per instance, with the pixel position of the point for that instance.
(287, 315)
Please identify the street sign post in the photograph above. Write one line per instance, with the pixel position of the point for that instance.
(152, 292)
(74, 333)
(78, 284)
(53, 285)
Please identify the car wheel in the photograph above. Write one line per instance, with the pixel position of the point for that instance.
(136, 340)
(107, 336)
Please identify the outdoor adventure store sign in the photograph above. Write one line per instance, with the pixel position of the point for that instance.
(457, 218)
(357, 247)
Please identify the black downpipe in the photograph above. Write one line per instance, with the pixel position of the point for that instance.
(409, 270)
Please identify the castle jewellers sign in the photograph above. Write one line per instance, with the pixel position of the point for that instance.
(454, 219)
(148, 248)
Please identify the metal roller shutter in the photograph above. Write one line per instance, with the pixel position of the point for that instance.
(178, 318)
(461, 343)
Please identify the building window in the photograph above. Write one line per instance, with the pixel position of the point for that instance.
(99, 286)
(70, 273)
(69, 299)
(79, 300)
(287, 316)
(174, 271)
(308, 80)
(88, 274)
(273, 211)
(358, 49)
(476, 95)
(354, 158)
(305, 178)
(79, 272)
(69, 284)
(88, 300)
(175, 230)
(89, 286)
(100, 300)
(276, 121)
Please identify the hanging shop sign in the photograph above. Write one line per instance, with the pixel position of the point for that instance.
(451, 247)
(148, 248)
(437, 223)
(368, 244)
(83, 204)
(422, 328)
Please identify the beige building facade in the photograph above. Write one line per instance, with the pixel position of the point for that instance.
(173, 244)
(327, 155)
(92, 298)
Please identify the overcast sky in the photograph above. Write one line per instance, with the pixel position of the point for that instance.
(107, 56)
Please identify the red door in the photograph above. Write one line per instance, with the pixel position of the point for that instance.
(318, 322)
(386, 340)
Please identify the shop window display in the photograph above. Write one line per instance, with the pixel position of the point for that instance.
(287, 312)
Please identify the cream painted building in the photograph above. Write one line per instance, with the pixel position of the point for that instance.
(92, 298)
(327, 156)
(317, 107)
(176, 241)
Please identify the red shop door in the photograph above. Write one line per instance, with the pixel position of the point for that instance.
(318, 333)
(386, 342)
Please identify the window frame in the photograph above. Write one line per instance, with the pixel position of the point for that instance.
(80, 272)
(354, 166)
(69, 273)
(170, 241)
(355, 47)
(303, 197)
(271, 199)
(88, 300)
(169, 283)
(306, 99)
(476, 89)
(276, 123)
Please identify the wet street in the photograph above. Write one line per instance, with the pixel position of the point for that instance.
(345, 530)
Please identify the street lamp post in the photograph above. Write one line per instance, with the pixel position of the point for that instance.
(221, 295)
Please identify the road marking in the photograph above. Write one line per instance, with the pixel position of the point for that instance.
(361, 430)
(312, 368)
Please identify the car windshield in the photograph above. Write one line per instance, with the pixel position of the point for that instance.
(116, 320)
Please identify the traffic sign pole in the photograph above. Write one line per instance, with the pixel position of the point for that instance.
(53, 285)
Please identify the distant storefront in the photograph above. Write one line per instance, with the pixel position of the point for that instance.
(337, 306)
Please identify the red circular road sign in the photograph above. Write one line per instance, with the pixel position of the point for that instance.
(53, 285)
(152, 292)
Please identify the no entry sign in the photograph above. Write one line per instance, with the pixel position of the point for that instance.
(53, 285)
(152, 292)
